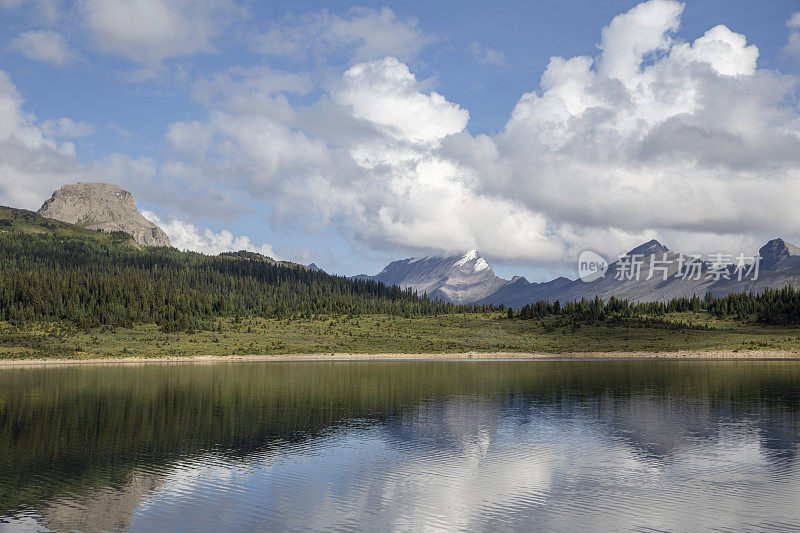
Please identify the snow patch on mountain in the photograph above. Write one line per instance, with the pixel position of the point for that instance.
(467, 257)
(481, 264)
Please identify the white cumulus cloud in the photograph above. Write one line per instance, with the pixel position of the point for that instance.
(644, 29)
(187, 236)
(386, 94)
(35, 158)
(32, 165)
(694, 138)
(688, 141)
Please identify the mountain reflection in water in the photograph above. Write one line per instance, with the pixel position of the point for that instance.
(478, 445)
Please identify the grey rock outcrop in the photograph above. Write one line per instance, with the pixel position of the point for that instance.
(104, 207)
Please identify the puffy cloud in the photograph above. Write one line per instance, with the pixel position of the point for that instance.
(151, 31)
(644, 29)
(31, 164)
(487, 56)
(187, 236)
(44, 45)
(363, 33)
(655, 137)
(688, 141)
(657, 134)
(35, 160)
(386, 94)
(368, 159)
(725, 51)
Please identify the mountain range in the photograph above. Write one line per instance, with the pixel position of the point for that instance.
(468, 278)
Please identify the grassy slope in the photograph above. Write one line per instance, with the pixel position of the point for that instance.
(24, 221)
(384, 334)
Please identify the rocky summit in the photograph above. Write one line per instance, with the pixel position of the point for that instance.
(104, 207)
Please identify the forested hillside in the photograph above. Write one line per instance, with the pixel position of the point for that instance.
(775, 307)
(53, 270)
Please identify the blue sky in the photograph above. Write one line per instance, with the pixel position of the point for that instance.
(353, 134)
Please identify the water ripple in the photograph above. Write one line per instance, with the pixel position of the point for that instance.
(502, 446)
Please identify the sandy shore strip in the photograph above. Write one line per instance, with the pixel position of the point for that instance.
(463, 356)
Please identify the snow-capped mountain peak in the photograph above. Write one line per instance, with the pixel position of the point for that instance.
(458, 279)
(472, 255)
(473, 259)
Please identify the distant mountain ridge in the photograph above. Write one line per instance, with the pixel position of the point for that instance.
(469, 279)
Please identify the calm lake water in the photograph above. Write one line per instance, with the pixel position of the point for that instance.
(402, 446)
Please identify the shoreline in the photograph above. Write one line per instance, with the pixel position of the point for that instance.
(458, 356)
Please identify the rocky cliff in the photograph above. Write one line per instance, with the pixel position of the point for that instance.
(105, 207)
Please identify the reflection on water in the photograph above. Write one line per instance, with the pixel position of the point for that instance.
(410, 446)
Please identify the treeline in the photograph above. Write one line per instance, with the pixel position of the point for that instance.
(91, 282)
(773, 306)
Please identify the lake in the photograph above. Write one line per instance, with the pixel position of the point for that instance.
(401, 446)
